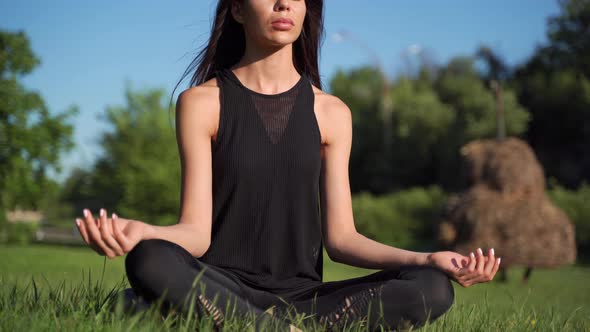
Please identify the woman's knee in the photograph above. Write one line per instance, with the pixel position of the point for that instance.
(435, 294)
(150, 263)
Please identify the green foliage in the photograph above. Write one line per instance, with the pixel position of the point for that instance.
(474, 107)
(559, 101)
(419, 109)
(434, 114)
(474, 104)
(138, 176)
(360, 90)
(575, 204)
(421, 120)
(20, 233)
(31, 138)
(405, 219)
(569, 37)
(554, 85)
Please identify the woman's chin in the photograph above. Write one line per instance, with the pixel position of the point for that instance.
(280, 41)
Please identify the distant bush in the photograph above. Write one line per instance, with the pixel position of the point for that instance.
(19, 233)
(576, 204)
(405, 219)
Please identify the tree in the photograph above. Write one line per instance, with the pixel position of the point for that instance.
(138, 176)
(361, 90)
(460, 86)
(569, 35)
(421, 121)
(31, 139)
(434, 114)
(555, 86)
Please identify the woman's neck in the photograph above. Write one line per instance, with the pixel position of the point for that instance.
(267, 71)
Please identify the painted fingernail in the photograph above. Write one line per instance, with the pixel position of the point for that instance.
(499, 259)
(472, 255)
(77, 221)
(102, 212)
(492, 251)
(479, 251)
(115, 216)
(85, 213)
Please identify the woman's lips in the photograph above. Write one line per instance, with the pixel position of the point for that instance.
(282, 24)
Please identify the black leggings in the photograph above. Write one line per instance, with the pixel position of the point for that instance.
(160, 269)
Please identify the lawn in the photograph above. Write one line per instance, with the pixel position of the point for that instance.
(44, 287)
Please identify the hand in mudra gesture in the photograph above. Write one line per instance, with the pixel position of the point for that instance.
(110, 237)
(466, 270)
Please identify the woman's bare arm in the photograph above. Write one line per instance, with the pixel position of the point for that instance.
(197, 113)
(343, 243)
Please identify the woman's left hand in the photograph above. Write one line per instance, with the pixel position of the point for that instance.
(466, 270)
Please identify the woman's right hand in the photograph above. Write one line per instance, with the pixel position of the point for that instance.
(110, 237)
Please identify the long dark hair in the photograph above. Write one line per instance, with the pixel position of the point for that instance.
(227, 44)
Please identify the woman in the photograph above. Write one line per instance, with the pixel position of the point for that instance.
(261, 146)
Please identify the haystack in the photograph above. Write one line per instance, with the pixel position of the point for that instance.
(506, 208)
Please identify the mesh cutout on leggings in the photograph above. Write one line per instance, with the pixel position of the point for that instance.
(213, 310)
(275, 112)
(351, 308)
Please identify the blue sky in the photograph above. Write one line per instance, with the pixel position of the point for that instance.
(89, 49)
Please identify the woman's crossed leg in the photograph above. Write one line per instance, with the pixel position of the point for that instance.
(394, 298)
(158, 269)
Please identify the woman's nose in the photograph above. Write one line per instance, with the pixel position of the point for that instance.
(283, 4)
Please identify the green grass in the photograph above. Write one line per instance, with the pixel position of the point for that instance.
(46, 287)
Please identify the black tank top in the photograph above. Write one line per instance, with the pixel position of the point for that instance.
(266, 165)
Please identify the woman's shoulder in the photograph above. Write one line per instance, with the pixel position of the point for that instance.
(330, 106)
(327, 102)
(201, 103)
(207, 91)
(204, 94)
(332, 114)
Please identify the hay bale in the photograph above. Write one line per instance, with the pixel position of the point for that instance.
(509, 166)
(526, 231)
(507, 209)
